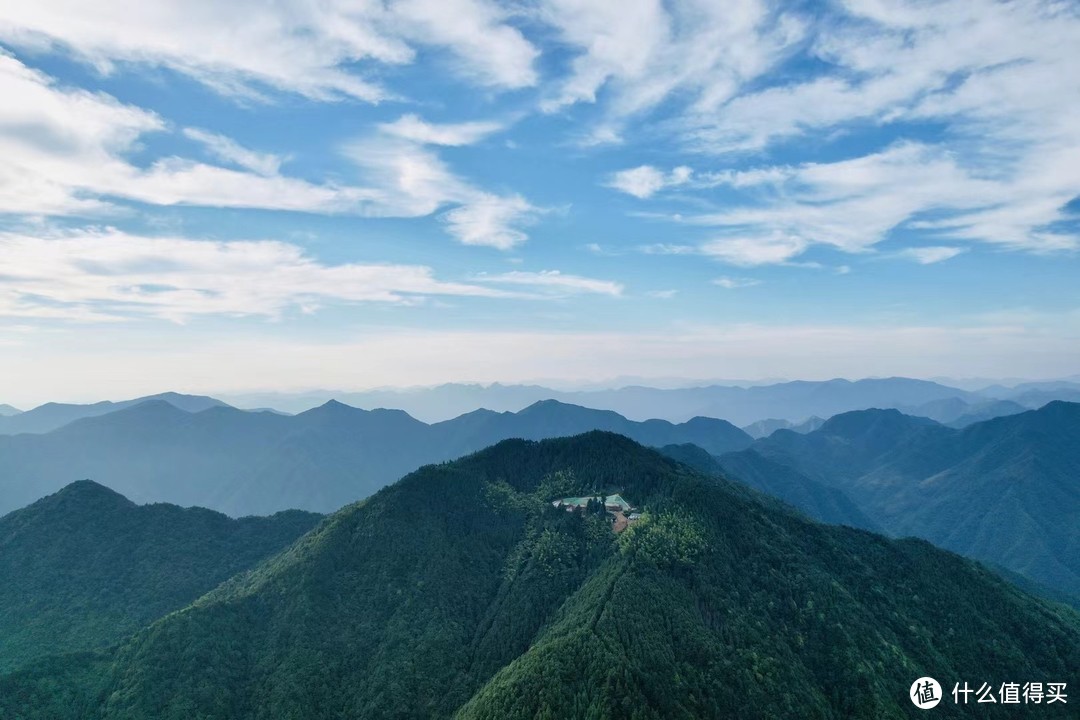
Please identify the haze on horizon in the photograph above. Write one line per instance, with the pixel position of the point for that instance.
(470, 191)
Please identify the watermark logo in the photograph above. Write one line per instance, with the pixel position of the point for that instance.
(925, 693)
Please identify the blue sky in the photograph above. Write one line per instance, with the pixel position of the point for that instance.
(232, 196)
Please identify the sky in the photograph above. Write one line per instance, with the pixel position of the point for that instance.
(205, 196)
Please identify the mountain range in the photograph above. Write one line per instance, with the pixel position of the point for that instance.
(791, 405)
(793, 402)
(51, 416)
(461, 592)
(1005, 491)
(816, 499)
(85, 567)
(245, 463)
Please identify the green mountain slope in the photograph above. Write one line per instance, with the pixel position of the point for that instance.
(819, 501)
(1006, 490)
(86, 567)
(460, 591)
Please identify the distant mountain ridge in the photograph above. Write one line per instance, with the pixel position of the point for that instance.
(1005, 490)
(243, 463)
(817, 500)
(85, 567)
(791, 402)
(51, 416)
(765, 428)
(7, 410)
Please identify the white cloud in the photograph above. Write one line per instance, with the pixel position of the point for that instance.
(411, 127)
(662, 294)
(641, 52)
(487, 49)
(989, 72)
(750, 250)
(930, 255)
(596, 249)
(244, 46)
(852, 205)
(645, 181)
(230, 151)
(52, 139)
(894, 60)
(557, 281)
(669, 249)
(110, 275)
(490, 220)
(734, 283)
(65, 153)
(413, 181)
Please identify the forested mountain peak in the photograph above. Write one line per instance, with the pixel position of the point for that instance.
(82, 568)
(872, 421)
(460, 591)
(80, 496)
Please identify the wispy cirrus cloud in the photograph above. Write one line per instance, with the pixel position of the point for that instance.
(226, 149)
(108, 275)
(932, 254)
(853, 205)
(66, 153)
(555, 281)
(398, 160)
(105, 275)
(635, 55)
(413, 128)
(977, 143)
(246, 47)
(734, 283)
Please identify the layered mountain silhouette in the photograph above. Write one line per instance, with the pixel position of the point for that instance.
(790, 401)
(460, 591)
(1005, 491)
(765, 428)
(244, 463)
(51, 416)
(85, 567)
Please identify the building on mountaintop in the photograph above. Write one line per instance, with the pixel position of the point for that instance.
(611, 503)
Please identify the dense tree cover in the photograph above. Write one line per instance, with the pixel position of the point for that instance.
(460, 591)
(816, 499)
(85, 567)
(1003, 491)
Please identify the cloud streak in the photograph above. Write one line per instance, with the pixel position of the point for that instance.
(65, 153)
(108, 275)
(973, 104)
(244, 48)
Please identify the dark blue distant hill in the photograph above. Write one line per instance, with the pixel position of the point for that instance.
(51, 416)
(1005, 490)
(243, 463)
